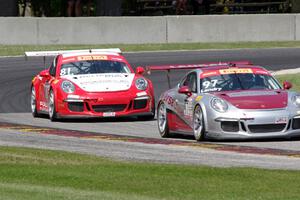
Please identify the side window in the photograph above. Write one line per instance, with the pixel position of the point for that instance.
(52, 69)
(184, 81)
(191, 81)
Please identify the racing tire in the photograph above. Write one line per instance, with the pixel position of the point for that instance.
(162, 121)
(33, 103)
(198, 124)
(52, 107)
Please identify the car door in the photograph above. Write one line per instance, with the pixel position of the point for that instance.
(185, 102)
(45, 84)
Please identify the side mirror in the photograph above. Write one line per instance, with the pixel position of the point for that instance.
(44, 73)
(287, 85)
(140, 70)
(185, 90)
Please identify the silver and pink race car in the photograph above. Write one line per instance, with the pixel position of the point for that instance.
(234, 100)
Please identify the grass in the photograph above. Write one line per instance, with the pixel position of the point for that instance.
(39, 174)
(293, 78)
(10, 50)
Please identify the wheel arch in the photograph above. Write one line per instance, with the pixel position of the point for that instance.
(204, 112)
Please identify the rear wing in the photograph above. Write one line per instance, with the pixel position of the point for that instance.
(168, 68)
(45, 54)
(55, 53)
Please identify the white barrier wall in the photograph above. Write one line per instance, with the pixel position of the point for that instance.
(230, 28)
(297, 34)
(91, 30)
(138, 30)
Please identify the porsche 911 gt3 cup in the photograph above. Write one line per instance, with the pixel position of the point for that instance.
(228, 101)
(91, 83)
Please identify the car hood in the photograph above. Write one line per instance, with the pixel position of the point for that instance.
(107, 82)
(256, 99)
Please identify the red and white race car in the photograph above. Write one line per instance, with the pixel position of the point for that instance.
(91, 83)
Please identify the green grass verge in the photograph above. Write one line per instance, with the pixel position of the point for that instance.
(10, 50)
(39, 174)
(293, 78)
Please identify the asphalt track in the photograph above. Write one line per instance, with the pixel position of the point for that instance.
(138, 140)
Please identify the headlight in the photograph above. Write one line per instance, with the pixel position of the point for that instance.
(219, 105)
(296, 100)
(67, 87)
(141, 84)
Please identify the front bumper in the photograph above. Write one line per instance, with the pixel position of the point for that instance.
(255, 124)
(105, 105)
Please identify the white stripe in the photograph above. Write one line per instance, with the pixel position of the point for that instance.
(55, 53)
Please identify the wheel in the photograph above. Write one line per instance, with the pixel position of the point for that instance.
(33, 103)
(198, 124)
(52, 107)
(162, 120)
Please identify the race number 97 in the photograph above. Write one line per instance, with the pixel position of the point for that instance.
(210, 84)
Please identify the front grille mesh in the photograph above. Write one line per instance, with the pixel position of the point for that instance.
(76, 106)
(140, 103)
(230, 126)
(109, 108)
(266, 128)
(296, 123)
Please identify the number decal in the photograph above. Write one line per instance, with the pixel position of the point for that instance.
(63, 72)
(208, 84)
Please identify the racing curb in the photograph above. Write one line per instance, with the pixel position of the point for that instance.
(133, 139)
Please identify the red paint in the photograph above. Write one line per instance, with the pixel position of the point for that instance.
(278, 99)
(90, 98)
(176, 123)
(196, 66)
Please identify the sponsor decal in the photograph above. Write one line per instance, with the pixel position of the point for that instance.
(33, 79)
(236, 71)
(108, 75)
(252, 93)
(109, 114)
(66, 60)
(281, 120)
(92, 58)
(169, 100)
(102, 82)
(198, 98)
(188, 107)
(55, 81)
(206, 74)
(261, 72)
(43, 106)
(73, 96)
(141, 94)
(211, 90)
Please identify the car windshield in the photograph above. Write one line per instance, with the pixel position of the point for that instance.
(238, 81)
(93, 67)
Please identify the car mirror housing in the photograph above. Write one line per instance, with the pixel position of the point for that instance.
(140, 70)
(185, 90)
(44, 73)
(287, 85)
